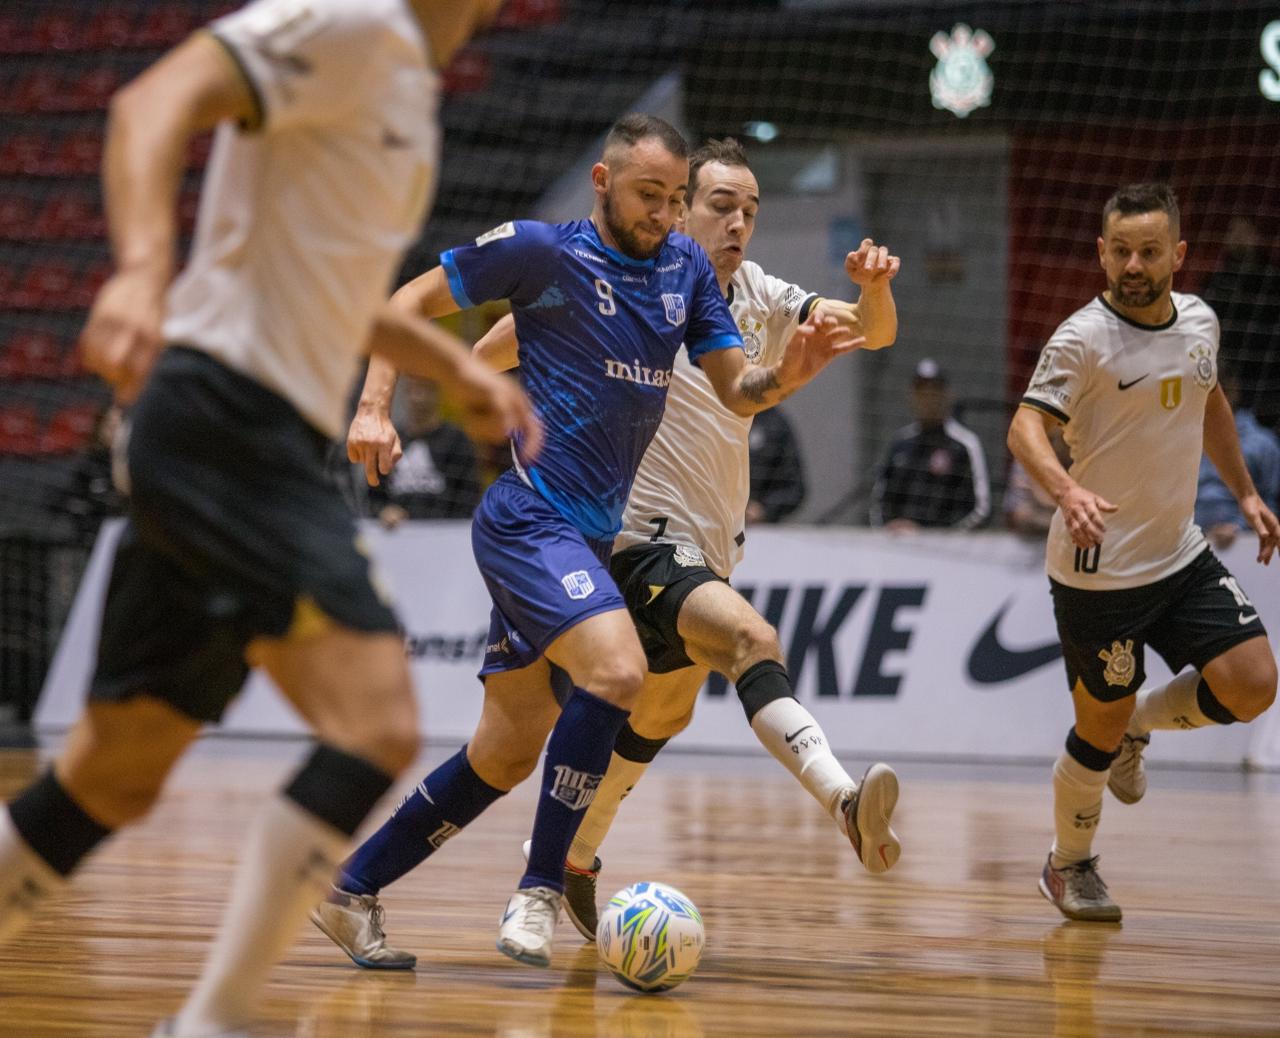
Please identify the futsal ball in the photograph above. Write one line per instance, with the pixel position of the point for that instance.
(650, 936)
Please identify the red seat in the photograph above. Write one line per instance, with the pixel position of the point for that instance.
(521, 14)
(19, 430)
(23, 153)
(91, 91)
(32, 92)
(69, 216)
(15, 217)
(165, 25)
(57, 30)
(46, 286)
(15, 35)
(468, 73)
(33, 354)
(110, 29)
(79, 152)
(69, 430)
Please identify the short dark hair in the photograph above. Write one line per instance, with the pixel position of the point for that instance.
(631, 129)
(1134, 199)
(727, 151)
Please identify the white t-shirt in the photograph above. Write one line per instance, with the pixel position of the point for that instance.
(304, 220)
(1133, 399)
(696, 473)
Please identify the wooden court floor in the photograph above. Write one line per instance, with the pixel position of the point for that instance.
(956, 941)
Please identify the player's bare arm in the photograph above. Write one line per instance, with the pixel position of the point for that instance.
(151, 121)
(498, 349)
(1082, 509)
(874, 315)
(1222, 444)
(746, 388)
(372, 440)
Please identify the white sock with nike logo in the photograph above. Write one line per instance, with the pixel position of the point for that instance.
(788, 731)
(1170, 706)
(1077, 809)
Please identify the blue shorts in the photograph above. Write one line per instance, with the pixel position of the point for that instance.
(543, 575)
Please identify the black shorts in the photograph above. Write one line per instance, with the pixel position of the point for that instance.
(655, 579)
(1189, 617)
(235, 532)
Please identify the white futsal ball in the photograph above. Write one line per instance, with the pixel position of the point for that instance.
(650, 936)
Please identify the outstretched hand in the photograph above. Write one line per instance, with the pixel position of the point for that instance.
(813, 346)
(872, 264)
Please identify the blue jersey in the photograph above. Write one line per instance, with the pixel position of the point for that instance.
(598, 335)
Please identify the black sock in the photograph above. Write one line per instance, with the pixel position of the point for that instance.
(54, 825)
(762, 683)
(338, 788)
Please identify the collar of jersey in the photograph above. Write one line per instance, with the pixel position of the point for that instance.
(594, 235)
(1138, 324)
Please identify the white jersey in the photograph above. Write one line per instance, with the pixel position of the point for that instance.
(304, 220)
(1133, 399)
(694, 481)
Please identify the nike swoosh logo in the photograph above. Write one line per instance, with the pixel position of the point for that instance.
(795, 733)
(991, 663)
(1246, 619)
(1129, 385)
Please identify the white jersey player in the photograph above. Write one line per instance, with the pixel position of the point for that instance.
(682, 537)
(238, 547)
(1133, 379)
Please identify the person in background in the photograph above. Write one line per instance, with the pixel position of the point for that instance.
(436, 477)
(1217, 512)
(935, 472)
(777, 469)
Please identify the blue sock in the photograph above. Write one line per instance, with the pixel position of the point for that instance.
(577, 757)
(446, 801)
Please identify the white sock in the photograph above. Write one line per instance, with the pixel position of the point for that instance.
(1170, 706)
(26, 880)
(1077, 809)
(618, 781)
(788, 731)
(285, 870)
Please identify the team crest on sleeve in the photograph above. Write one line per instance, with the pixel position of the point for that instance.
(503, 230)
(673, 303)
(1204, 372)
(1121, 665)
(578, 584)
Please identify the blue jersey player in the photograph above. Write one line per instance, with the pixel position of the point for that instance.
(601, 307)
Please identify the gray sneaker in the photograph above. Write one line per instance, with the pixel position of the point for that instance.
(528, 925)
(1077, 891)
(354, 923)
(579, 896)
(867, 812)
(1128, 778)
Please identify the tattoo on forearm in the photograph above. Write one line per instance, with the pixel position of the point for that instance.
(756, 385)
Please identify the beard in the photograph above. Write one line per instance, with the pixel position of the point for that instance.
(626, 238)
(1138, 291)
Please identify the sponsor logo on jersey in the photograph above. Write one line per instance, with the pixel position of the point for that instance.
(685, 555)
(670, 266)
(961, 81)
(1121, 665)
(503, 230)
(791, 299)
(583, 254)
(673, 303)
(575, 789)
(1171, 392)
(578, 584)
(660, 377)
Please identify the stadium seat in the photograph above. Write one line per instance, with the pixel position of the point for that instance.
(32, 91)
(19, 430)
(23, 153)
(15, 217)
(15, 37)
(32, 354)
(166, 25)
(70, 215)
(90, 91)
(522, 14)
(77, 153)
(467, 73)
(69, 430)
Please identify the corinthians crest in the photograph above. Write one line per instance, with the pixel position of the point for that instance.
(1204, 374)
(1121, 665)
(961, 81)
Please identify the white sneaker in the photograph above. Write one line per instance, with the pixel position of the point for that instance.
(529, 925)
(867, 812)
(579, 898)
(1128, 778)
(1077, 891)
(354, 923)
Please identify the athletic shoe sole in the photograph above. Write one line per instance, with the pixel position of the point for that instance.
(365, 964)
(877, 844)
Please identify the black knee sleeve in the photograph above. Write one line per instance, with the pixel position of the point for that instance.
(55, 826)
(1087, 754)
(633, 747)
(761, 684)
(1211, 706)
(338, 788)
